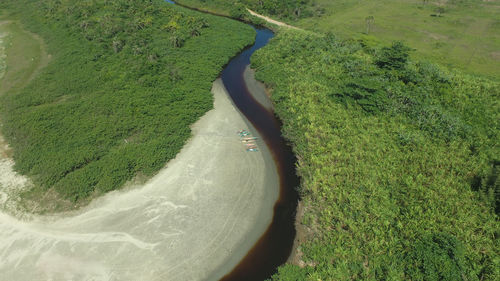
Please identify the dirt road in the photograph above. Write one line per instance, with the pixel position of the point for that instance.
(270, 20)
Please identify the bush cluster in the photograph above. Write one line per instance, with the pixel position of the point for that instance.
(126, 80)
(398, 160)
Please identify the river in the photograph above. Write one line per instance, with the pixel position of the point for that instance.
(275, 245)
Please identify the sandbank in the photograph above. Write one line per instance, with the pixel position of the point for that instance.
(257, 89)
(195, 220)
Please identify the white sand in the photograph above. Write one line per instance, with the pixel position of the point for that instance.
(257, 89)
(11, 184)
(195, 220)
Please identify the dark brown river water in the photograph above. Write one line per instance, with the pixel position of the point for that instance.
(275, 245)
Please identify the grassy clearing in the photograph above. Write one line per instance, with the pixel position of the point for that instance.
(3, 35)
(24, 56)
(466, 36)
(125, 82)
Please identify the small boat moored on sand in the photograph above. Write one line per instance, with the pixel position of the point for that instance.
(248, 140)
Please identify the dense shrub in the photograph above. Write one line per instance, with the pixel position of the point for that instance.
(392, 158)
(284, 9)
(437, 256)
(126, 80)
(394, 57)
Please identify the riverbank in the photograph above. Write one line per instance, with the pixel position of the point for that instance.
(197, 217)
(263, 96)
(257, 89)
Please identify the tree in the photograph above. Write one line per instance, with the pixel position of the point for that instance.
(117, 45)
(369, 21)
(238, 11)
(394, 57)
(439, 11)
(176, 40)
(437, 256)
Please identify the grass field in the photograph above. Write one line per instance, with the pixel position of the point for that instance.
(3, 36)
(466, 36)
(24, 56)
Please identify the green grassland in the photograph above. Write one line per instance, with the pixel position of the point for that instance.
(465, 34)
(26, 56)
(398, 160)
(125, 81)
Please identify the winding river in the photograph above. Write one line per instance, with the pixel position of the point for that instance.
(275, 245)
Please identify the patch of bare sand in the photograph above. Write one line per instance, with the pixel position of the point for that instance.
(257, 89)
(195, 220)
(435, 36)
(495, 55)
(11, 183)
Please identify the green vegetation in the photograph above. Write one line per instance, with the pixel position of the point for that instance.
(125, 82)
(398, 160)
(462, 34)
(223, 7)
(24, 59)
(285, 9)
(289, 9)
(3, 64)
(398, 156)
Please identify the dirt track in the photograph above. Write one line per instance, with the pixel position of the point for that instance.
(270, 20)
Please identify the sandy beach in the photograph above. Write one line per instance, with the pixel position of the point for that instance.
(194, 220)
